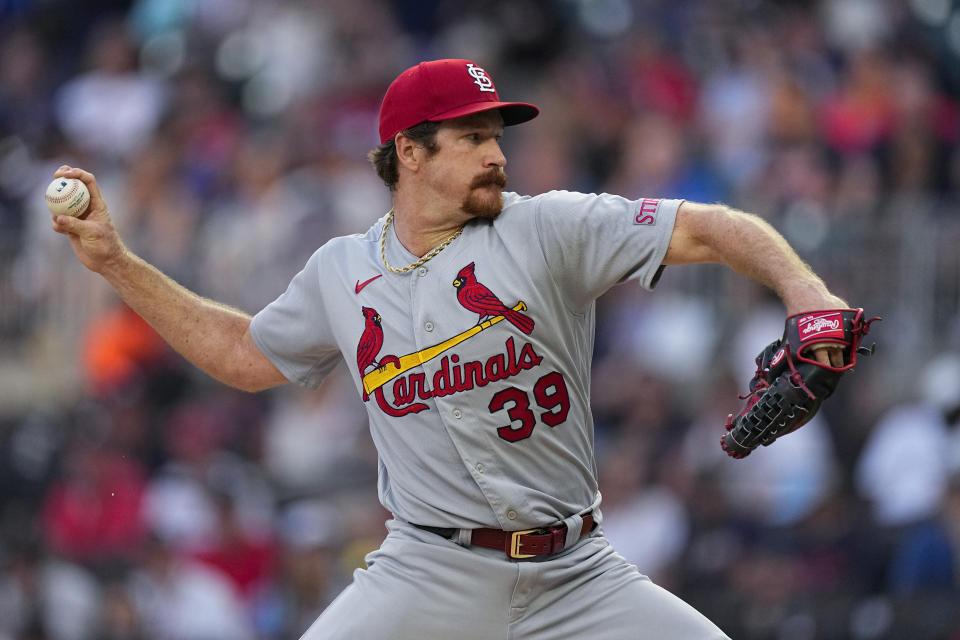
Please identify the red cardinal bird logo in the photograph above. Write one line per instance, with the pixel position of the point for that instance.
(370, 343)
(477, 298)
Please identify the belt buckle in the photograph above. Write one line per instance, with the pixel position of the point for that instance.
(514, 551)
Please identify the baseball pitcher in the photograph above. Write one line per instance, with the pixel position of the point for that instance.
(466, 316)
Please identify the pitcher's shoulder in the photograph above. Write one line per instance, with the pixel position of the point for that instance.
(558, 197)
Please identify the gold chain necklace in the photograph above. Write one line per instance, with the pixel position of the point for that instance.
(437, 249)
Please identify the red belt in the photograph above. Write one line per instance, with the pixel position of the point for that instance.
(519, 544)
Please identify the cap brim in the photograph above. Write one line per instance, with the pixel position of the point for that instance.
(512, 112)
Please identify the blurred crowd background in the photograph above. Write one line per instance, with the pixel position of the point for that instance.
(140, 500)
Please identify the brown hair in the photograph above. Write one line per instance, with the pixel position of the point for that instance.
(384, 157)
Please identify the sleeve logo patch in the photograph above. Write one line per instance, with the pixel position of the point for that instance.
(647, 214)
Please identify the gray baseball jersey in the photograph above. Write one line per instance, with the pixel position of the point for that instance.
(475, 370)
(475, 367)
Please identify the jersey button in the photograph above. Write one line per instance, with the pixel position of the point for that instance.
(428, 326)
(422, 271)
(457, 414)
(480, 467)
(511, 515)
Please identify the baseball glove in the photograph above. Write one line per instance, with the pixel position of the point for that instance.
(789, 385)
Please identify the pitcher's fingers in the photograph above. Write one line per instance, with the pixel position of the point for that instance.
(828, 353)
(85, 176)
(836, 357)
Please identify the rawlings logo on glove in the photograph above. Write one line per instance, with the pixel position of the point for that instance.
(790, 384)
(827, 325)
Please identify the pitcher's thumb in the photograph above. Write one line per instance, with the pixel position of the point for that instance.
(68, 224)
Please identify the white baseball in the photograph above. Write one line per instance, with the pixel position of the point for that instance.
(67, 197)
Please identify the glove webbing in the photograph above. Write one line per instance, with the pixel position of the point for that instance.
(767, 418)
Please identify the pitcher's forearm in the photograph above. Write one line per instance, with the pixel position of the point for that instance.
(213, 336)
(204, 332)
(755, 249)
(751, 247)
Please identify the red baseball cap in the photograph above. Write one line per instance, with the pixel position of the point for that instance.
(442, 90)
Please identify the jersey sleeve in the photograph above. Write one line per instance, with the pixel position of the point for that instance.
(293, 331)
(592, 242)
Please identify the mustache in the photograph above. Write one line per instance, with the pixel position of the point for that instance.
(495, 177)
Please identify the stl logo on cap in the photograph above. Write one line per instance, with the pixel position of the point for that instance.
(480, 77)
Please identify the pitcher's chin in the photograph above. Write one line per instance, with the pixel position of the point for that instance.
(484, 202)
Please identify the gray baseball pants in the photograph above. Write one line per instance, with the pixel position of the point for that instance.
(420, 586)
